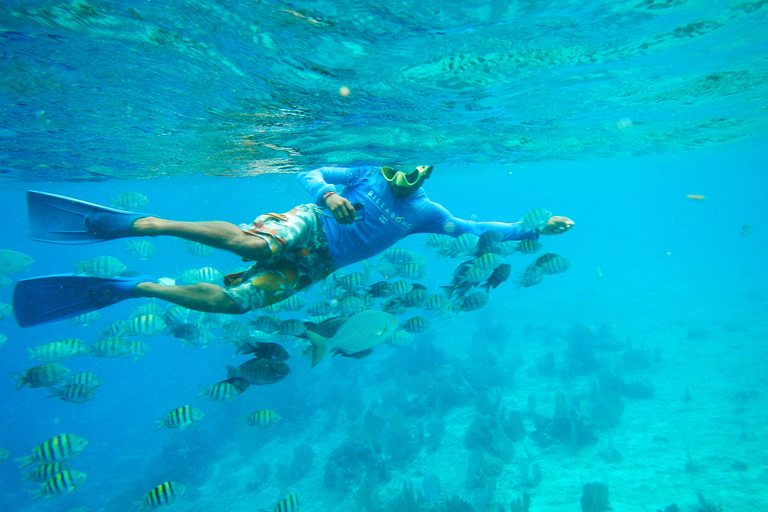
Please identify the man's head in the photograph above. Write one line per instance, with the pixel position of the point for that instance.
(405, 183)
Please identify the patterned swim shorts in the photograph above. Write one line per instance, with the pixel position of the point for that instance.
(300, 257)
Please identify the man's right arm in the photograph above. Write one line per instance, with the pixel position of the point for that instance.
(321, 181)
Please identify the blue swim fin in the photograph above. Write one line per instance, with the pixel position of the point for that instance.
(50, 298)
(63, 220)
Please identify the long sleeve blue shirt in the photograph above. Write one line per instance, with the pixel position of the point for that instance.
(387, 218)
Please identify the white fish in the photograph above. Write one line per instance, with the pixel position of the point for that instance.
(13, 261)
(361, 332)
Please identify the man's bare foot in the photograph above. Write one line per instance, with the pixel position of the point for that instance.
(557, 225)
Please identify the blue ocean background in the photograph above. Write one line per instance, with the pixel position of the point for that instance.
(610, 113)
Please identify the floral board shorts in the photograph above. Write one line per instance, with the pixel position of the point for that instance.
(300, 257)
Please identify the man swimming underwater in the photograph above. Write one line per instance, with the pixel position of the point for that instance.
(380, 206)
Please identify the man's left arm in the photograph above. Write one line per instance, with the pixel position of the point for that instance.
(436, 219)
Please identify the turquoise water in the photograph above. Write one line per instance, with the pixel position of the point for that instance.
(608, 113)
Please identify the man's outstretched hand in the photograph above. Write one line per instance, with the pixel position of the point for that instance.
(557, 225)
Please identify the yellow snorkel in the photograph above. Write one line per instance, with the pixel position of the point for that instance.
(402, 179)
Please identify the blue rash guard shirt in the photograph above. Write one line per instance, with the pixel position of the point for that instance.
(387, 218)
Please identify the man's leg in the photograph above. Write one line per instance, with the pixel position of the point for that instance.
(205, 297)
(218, 234)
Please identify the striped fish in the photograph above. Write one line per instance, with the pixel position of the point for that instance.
(110, 347)
(292, 327)
(535, 218)
(413, 271)
(145, 325)
(416, 324)
(181, 418)
(52, 352)
(103, 266)
(176, 315)
(415, 298)
(164, 494)
(57, 449)
(353, 281)
(488, 261)
(436, 302)
(60, 484)
(400, 339)
(114, 329)
(150, 308)
(141, 249)
(351, 305)
(75, 393)
(219, 392)
(201, 275)
(474, 301)
(80, 347)
(289, 504)
(529, 246)
(292, 303)
(263, 418)
(43, 375)
(323, 308)
(533, 275)
(85, 319)
(198, 249)
(437, 240)
(400, 288)
(130, 201)
(137, 349)
(461, 244)
(268, 324)
(85, 379)
(552, 263)
(451, 310)
(45, 472)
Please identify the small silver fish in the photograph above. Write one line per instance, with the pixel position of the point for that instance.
(362, 331)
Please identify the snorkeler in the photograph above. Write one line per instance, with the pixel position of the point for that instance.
(379, 206)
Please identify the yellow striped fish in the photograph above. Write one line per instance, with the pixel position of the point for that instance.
(552, 263)
(85, 319)
(84, 378)
(141, 249)
(110, 347)
(42, 375)
(80, 347)
(198, 249)
(52, 352)
(263, 418)
(103, 266)
(75, 393)
(57, 449)
(289, 504)
(163, 494)
(45, 472)
(219, 392)
(60, 484)
(145, 325)
(180, 418)
(137, 349)
(130, 201)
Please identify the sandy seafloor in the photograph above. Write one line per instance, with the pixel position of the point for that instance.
(672, 267)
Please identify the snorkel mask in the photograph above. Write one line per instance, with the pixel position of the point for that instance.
(402, 179)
